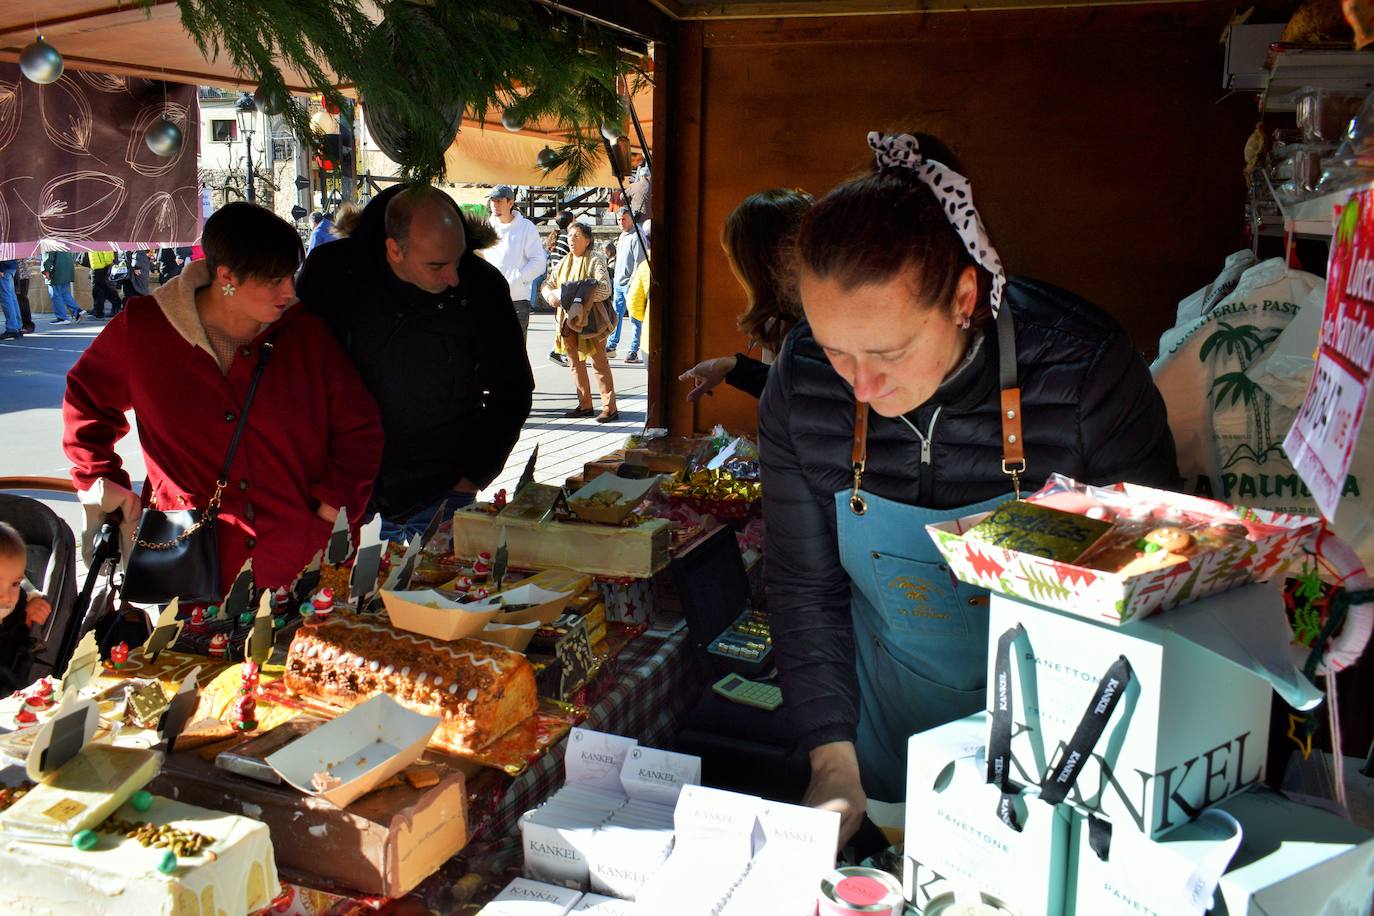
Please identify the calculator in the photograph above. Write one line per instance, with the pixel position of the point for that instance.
(748, 693)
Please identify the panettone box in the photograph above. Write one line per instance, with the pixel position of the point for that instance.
(384, 843)
(1113, 598)
(1192, 723)
(1258, 854)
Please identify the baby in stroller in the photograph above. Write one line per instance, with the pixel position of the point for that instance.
(20, 608)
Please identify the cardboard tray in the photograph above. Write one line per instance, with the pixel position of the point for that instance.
(429, 613)
(636, 552)
(633, 493)
(363, 748)
(1114, 599)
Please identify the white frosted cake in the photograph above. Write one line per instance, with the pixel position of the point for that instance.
(229, 868)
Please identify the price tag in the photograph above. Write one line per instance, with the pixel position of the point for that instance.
(1322, 440)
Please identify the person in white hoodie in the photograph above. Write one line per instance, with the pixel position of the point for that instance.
(518, 252)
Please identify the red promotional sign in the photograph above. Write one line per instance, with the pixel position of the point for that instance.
(1322, 440)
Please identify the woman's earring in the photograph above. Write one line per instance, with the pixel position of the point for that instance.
(228, 290)
(964, 323)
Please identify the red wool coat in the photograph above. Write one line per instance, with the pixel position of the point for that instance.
(313, 434)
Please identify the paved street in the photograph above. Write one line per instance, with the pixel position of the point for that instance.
(33, 375)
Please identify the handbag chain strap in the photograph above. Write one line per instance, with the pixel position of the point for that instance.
(212, 508)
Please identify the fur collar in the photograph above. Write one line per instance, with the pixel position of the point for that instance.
(177, 299)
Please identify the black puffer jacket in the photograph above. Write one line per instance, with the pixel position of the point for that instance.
(1090, 411)
(449, 370)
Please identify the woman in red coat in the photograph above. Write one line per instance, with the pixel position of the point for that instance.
(182, 360)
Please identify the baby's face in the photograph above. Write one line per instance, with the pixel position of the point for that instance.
(11, 575)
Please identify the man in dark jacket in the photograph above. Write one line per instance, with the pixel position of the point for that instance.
(431, 328)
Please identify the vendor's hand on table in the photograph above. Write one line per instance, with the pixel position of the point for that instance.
(835, 786)
(37, 610)
(327, 512)
(707, 374)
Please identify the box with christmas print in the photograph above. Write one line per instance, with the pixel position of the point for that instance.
(1191, 720)
(1161, 549)
(627, 600)
(956, 842)
(1257, 854)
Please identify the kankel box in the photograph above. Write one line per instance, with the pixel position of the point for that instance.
(1115, 598)
(1257, 854)
(1192, 724)
(955, 839)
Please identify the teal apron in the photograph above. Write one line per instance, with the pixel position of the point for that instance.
(920, 635)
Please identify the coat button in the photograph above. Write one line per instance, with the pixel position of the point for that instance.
(229, 416)
(250, 542)
(182, 500)
(243, 484)
(876, 555)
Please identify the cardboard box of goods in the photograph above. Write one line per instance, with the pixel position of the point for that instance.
(639, 551)
(1115, 599)
(384, 843)
(955, 839)
(523, 897)
(1192, 723)
(1271, 856)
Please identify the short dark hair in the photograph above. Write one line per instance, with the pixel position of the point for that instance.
(563, 218)
(316, 216)
(251, 241)
(872, 228)
(11, 542)
(758, 235)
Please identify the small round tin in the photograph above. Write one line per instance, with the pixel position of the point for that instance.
(854, 891)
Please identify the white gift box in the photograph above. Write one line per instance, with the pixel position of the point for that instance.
(1292, 858)
(955, 840)
(523, 897)
(1192, 725)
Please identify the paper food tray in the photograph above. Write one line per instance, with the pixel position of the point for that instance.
(362, 748)
(516, 637)
(429, 613)
(632, 493)
(1112, 598)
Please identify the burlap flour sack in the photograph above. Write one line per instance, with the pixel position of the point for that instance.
(1233, 371)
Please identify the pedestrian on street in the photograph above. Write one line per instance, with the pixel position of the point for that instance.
(102, 290)
(323, 233)
(140, 274)
(59, 271)
(579, 291)
(518, 253)
(8, 301)
(629, 251)
(430, 326)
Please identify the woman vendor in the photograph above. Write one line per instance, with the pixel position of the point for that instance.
(895, 405)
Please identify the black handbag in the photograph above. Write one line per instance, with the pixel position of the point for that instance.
(176, 554)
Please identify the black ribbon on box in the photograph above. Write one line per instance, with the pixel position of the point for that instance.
(1093, 723)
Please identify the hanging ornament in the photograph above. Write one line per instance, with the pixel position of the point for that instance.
(41, 62)
(512, 121)
(163, 137)
(400, 134)
(547, 159)
(322, 122)
(611, 132)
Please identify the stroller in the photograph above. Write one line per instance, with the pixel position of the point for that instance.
(51, 565)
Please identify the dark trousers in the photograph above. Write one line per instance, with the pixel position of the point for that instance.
(21, 292)
(103, 291)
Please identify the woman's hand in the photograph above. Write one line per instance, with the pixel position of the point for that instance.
(36, 610)
(707, 374)
(327, 512)
(835, 786)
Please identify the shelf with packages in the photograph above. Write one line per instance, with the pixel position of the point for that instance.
(1310, 218)
(1294, 69)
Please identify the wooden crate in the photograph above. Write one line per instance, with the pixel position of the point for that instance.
(604, 550)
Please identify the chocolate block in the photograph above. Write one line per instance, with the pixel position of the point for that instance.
(384, 843)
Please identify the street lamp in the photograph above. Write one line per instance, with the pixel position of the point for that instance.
(246, 111)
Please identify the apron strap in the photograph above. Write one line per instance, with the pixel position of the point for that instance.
(1013, 445)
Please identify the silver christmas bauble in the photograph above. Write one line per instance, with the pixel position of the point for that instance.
(163, 138)
(41, 62)
(511, 121)
(611, 132)
(547, 159)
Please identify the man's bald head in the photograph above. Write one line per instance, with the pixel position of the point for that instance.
(424, 238)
